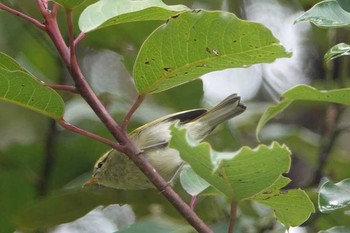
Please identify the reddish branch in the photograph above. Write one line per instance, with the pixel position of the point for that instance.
(133, 108)
(79, 38)
(96, 137)
(23, 16)
(233, 217)
(62, 87)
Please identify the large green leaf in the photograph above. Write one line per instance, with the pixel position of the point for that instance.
(238, 175)
(304, 92)
(334, 196)
(106, 13)
(69, 4)
(338, 50)
(193, 43)
(326, 14)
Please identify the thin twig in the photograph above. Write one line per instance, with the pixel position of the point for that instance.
(193, 202)
(67, 88)
(43, 7)
(70, 35)
(55, 8)
(88, 134)
(79, 38)
(23, 16)
(80, 82)
(55, 34)
(133, 108)
(233, 217)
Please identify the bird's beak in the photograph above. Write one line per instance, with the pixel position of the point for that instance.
(92, 181)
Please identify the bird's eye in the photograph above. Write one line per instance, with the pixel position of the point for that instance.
(99, 165)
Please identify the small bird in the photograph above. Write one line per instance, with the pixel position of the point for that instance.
(114, 169)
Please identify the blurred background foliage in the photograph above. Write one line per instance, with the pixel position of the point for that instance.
(38, 159)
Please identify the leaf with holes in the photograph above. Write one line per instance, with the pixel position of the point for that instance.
(193, 43)
(107, 13)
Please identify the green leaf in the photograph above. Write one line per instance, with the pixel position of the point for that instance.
(304, 92)
(292, 207)
(7, 63)
(107, 13)
(336, 51)
(194, 43)
(62, 207)
(191, 182)
(157, 225)
(326, 14)
(337, 230)
(271, 112)
(21, 88)
(334, 196)
(69, 4)
(279, 183)
(238, 175)
(345, 4)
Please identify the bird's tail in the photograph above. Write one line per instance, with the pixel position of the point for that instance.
(201, 127)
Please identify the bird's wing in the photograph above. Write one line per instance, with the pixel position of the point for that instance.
(157, 134)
